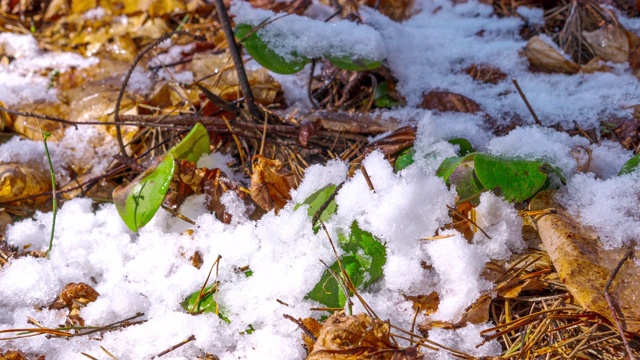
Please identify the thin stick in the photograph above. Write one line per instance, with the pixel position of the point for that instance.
(611, 304)
(183, 342)
(367, 178)
(54, 198)
(237, 59)
(301, 326)
(526, 102)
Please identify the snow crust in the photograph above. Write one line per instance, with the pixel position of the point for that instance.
(150, 272)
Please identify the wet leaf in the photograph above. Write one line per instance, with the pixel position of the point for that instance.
(584, 265)
(447, 101)
(404, 159)
(260, 52)
(73, 295)
(464, 146)
(270, 185)
(139, 201)
(630, 166)
(546, 58)
(514, 179)
(198, 304)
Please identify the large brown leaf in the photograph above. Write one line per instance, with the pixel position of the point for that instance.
(546, 58)
(610, 43)
(448, 101)
(18, 181)
(584, 265)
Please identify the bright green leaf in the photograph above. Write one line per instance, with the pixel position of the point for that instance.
(260, 52)
(464, 146)
(206, 303)
(630, 166)
(316, 200)
(514, 179)
(450, 164)
(363, 262)
(193, 146)
(139, 201)
(404, 159)
(382, 98)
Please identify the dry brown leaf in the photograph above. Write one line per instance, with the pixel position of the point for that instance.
(397, 10)
(101, 191)
(196, 260)
(485, 73)
(395, 142)
(584, 265)
(270, 185)
(354, 337)
(18, 181)
(448, 101)
(314, 327)
(610, 43)
(12, 355)
(476, 313)
(222, 79)
(74, 295)
(544, 57)
(290, 6)
(595, 65)
(351, 123)
(427, 304)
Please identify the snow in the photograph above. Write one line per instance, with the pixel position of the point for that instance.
(150, 272)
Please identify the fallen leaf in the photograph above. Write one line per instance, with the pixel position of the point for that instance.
(12, 355)
(354, 337)
(397, 10)
(595, 65)
(584, 265)
(425, 304)
(270, 185)
(448, 101)
(74, 295)
(485, 73)
(544, 57)
(18, 181)
(610, 43)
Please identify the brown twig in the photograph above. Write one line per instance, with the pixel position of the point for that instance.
(526, 102)
(183, 342)
(301, 326)
(612, 306)
(237, 59)
(367, 178)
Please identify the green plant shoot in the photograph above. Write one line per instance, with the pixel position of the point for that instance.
(45, 135)
(139, 201)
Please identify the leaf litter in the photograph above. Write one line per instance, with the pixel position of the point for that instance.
(448, 271)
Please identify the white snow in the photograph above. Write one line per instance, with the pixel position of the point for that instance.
(150, 272)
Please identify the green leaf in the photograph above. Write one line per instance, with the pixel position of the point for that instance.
(260, 52)
(353, 63)
(514, 179)
(317, 199)
(363, 262)
(468, 187)
(327, 291)
(450, 164)
(206, 303)
(383, 99)
(193, 146)
(464, 146)
(630, 166)
(139, 201)
(404, 159)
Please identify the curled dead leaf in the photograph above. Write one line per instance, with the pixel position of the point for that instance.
(74, 295)
(270, 185)
(544, 57)
(584, 265)
(12, 355)
(448, 101)
(355, 337)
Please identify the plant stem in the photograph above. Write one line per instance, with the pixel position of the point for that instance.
(45, 135)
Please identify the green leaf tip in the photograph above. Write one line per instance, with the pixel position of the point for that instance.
(630, 166)
(265, 56)
(206, 303)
